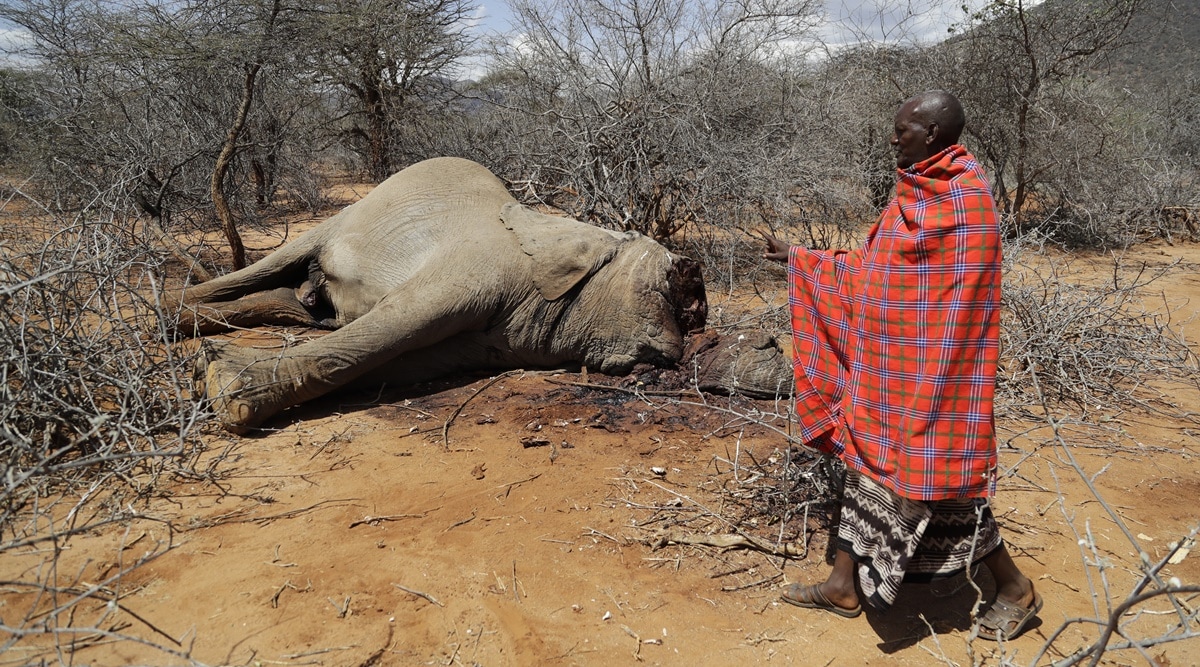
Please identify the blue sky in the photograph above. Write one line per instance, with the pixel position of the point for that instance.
(847, 22)
(494, 15)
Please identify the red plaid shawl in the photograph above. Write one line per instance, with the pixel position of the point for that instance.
(896, 343)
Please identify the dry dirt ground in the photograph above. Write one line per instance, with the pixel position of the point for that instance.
(354, 532)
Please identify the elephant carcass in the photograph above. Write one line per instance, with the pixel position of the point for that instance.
(439, 270)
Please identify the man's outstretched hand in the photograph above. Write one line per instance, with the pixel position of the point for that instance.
(776, 250)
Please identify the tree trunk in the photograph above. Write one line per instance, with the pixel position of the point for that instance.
(378, 150)
(237, 250)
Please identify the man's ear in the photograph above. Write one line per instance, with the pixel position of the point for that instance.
(932, 130)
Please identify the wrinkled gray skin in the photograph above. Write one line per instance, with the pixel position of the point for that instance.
(439, 270)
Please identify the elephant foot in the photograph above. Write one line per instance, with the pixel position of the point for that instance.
(226, 385)
(209, 352)
(235, 385)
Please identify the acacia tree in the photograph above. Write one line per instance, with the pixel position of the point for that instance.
(1023, 70)
(251, 67)
(383, 58)
(184, 111)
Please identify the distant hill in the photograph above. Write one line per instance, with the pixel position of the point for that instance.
(1162, 43)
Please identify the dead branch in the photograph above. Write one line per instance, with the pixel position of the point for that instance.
(729, 541)
(459, 409)
(419, 594)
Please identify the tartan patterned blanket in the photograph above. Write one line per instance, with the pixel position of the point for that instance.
(896, 342)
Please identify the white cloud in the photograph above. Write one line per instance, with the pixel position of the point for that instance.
(14, 43)
(892, 21)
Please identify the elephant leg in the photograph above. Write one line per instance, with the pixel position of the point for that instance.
(286, 267)
(278, 306)
(211, 350)
(465, 353)
(245, 393)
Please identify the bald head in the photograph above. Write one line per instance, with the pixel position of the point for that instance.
(926, 124)
(942, 108)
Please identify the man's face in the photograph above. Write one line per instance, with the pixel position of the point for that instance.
(910, 138)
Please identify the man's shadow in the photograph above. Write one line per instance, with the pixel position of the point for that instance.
(945, 604)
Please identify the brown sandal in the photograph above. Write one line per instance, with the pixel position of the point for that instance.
(811, 597)
(1007, 619)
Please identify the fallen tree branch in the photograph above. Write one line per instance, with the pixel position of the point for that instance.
(454, 415)
(419, 594)
(728, 541)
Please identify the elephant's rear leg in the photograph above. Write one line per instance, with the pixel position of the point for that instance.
(278, 306)
(286, 267)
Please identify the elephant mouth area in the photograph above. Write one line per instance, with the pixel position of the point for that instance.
(685, 292)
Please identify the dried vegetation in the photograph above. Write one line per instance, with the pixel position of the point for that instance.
(94, 410)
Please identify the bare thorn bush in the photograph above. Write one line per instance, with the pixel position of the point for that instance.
(1088, 345)
(94, 410)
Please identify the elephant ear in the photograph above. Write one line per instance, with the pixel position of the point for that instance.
(564, 251)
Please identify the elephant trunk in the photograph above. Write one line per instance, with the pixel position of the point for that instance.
(685, 291)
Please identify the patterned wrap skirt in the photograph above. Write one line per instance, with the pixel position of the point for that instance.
(894, 539)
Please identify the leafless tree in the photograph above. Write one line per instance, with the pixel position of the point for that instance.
(1022, 70)
(381, 59)
(135, 102)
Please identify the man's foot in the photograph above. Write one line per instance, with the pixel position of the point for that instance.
(811, 597)
(1008, 620)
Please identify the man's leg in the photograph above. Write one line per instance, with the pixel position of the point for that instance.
(1016, 602)
(1011, 585)
(838, 590)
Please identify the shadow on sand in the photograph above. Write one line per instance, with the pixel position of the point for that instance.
(945, 604)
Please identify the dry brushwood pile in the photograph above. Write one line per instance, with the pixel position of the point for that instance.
(557, 517)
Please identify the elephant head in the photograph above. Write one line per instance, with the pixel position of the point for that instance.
(627, 299)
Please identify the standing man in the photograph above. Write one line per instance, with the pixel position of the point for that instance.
(896, 345)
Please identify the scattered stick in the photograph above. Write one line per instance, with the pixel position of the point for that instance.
(329, 441)
(344, 609)
(623, 390)
(307, 654)
(760, 582)
(729, 541)
(419, 594)
(391, 517)
(736, 570)
(290, 514)
(637, 653)
(375, 658)
(459, 409)
(456, 524)
(509, 487)
(593, 531)
(275, 598)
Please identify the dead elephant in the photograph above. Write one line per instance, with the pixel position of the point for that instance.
(439, 270)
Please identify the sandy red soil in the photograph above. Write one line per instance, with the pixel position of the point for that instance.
(352, 533)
